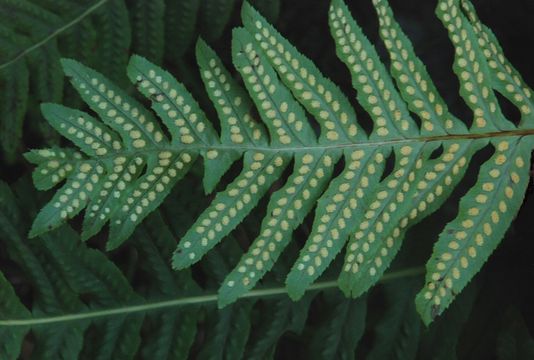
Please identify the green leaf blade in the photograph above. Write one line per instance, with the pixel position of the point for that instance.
(485, 214)
(104, 206)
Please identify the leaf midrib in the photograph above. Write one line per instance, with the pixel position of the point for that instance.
(316, 147)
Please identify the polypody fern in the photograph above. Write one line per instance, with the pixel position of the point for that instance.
(128, 163)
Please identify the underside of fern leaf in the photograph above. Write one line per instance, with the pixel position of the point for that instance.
(128, 160)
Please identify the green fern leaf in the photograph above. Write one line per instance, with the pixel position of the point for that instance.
(277, 317)
(363, 210)
(34, 34)
(53, 294)
(10, 304)
(14, 84)
(85, 308)
(485, 213)
(46, 80)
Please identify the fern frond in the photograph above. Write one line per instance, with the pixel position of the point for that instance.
(63, 271)
(11, 307)
(398, 330)
(228, 332)
(113, 39)
(35, 35)
(130, 165)
(342, 328)
(53, 293)
(276, 317)
(29, 37)
(171, 335)
(215, 14)
(180, 24)
(14, 84)
(46, 81)
(147, 19)
(270, 9)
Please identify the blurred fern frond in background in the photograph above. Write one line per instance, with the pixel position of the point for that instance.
(35, 34)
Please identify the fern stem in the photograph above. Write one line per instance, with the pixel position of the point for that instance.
(55, 33)
(192, 300)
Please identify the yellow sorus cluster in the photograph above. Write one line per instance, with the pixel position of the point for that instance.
(423, 101)
(478, 224)
(156, 181)
(59, 169)
(479, 95)
(123, 172)
(279, 115)
(300, 189)
(58, 165)
(241, 192)
(75, 194)
(384, 110)
(50, 153)
(94, 135)
(129, 119)
(189, 123)
(310, 90)
(222, 90)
